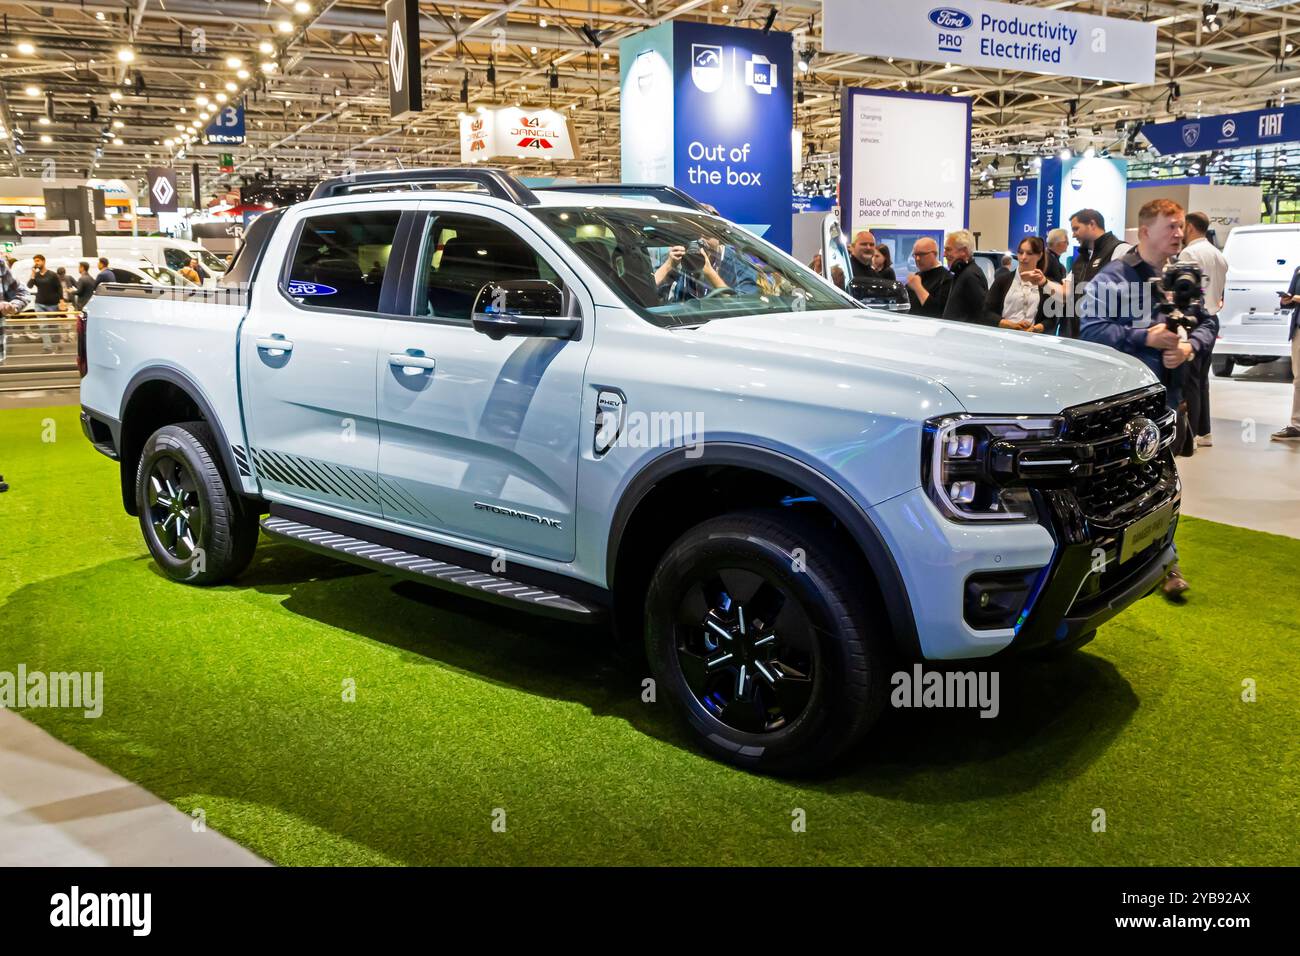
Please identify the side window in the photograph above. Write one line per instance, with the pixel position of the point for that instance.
(464, 253)
(340, 260)
(175, 258)
(130, 278)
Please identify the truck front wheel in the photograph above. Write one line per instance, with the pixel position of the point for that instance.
(759, 629)
(197, 530)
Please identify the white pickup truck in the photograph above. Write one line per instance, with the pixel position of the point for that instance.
(611, 409)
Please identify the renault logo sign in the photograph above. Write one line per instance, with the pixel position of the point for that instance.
(1144, 439)
(396, 56)
(162, 191)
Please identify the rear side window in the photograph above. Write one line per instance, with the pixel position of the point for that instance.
(340, 260)
(175, 258)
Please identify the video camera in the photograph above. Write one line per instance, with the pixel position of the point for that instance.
(1179, 301)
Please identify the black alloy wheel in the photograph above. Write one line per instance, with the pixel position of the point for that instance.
(746, 649)
(175, 509)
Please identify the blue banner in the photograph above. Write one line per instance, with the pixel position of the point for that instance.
(733, 109)
(227, 127)
(1023, 220)
(1229, 131)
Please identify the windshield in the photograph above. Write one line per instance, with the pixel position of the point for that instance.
(681, 268)
(212, 261)
(162, 275)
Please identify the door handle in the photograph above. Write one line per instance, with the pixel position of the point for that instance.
(275, 343)
(407, 360)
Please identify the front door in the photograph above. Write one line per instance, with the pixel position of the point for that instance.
(479, 438)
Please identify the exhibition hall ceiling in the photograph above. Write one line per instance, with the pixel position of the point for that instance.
(115, 80)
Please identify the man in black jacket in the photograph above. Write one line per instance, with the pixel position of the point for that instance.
(49, 293)
(1096, 248)
(85, 287)
(928, 286)
(969, 284)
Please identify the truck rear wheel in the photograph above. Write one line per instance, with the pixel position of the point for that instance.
(197, 529)
(757, 627)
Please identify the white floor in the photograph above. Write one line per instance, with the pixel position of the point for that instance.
(59, 807)
(1245, 479)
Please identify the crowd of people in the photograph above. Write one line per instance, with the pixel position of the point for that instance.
(49, 290)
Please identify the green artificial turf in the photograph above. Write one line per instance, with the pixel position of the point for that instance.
(231, 700)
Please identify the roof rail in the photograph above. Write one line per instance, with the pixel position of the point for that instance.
(497, 183)
(657, 190)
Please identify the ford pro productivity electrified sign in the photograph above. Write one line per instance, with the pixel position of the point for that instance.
(999, 35)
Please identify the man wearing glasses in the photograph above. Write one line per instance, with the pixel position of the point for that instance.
(929, 285)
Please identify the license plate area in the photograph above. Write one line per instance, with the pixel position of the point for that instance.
(1144, 532)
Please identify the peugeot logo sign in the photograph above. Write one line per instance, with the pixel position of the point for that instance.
(1144, 439)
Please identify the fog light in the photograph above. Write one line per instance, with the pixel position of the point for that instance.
(962, 492)
(995, 599)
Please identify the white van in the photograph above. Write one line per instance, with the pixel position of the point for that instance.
(1252, 324)
(158, 250)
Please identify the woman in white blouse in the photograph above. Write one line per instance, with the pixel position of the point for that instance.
(1024, 299)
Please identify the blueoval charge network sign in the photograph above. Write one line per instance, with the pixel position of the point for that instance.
(998, 35)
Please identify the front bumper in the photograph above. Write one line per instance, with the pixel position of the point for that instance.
(1100, 543)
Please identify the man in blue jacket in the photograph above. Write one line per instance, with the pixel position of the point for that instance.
(1116, 310)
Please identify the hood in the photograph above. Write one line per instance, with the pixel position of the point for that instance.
(986, 369)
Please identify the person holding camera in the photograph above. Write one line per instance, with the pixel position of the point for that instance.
(686, 273)
(1118, 309)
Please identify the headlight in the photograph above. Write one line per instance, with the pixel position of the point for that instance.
(958, 467)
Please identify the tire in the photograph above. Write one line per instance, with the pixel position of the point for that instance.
(208, 536)
(1222, 367)
(818, 678)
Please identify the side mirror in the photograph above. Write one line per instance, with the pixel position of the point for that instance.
(533, 307)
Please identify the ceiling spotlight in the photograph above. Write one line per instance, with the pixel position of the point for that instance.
(231, 86)
(284, 26)
(33, 91)
(1064, 154)
(26, 48)
(242, 74)
(234, 62)
(302, 6)
(806, 58)
(201, 100)
(115, 96)
(542, 23)
(266, 46)
(44, 121)
(46, 138)
(268, 67)
(222, 97)
(126, 54)
(533, 50)
(117, 141)
(118, 124)
(593, 36)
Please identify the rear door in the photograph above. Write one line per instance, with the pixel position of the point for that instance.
(308, 350)
(1260, 265)
(479, 438)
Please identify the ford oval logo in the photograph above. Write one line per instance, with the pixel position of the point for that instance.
(1144, 439)
(950, 18)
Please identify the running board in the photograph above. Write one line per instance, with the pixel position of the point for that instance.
(417, 567)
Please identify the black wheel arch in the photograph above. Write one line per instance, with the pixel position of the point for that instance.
(136, 428)
(789, 471)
